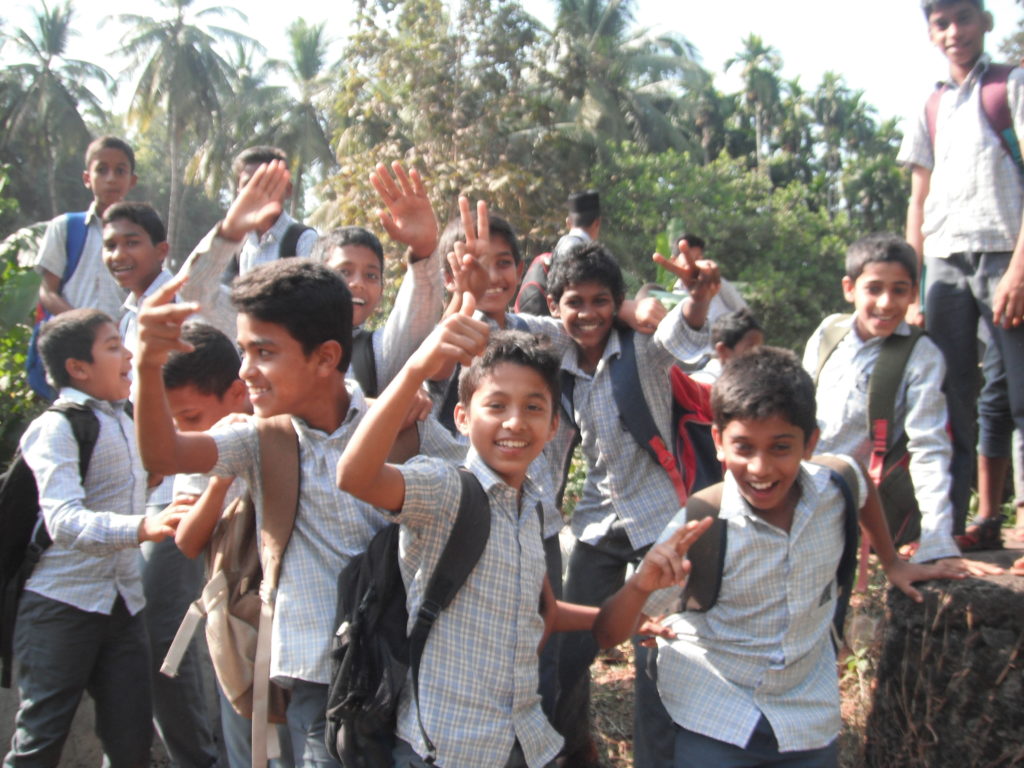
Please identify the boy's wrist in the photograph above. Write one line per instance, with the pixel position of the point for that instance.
(229, 230)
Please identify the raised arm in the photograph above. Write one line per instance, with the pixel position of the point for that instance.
(363, 470)
(200, 516)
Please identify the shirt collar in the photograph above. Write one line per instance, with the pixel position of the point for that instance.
(489, 479)
(81, 398)
(854, 339)
(91, 214)
(132, 304)
(735, 506)
(982, 65)
(276, 231)
(612, 348)
(357, 405)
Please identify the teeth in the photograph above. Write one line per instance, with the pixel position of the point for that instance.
(512, 443)
(360, 302)
(760, 486)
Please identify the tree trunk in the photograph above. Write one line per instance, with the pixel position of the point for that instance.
(175, 256)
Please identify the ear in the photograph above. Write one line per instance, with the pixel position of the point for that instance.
(988, 20)
(86, 181)
(462, 419)
(554, 424)
(717, 437)
(722, 352)
(236, 398)
(520, 268)
(78, 370)
(811, 444)
(164, 248)
(848, 288)
(327, 356)
(135, 180)
(552, 306)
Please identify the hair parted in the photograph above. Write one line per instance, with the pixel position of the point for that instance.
(143, 214)
(68, 336)
(109, 142)
(518, 348)
(881, 248)
(342, 236)
(212, 365)
(586, 263)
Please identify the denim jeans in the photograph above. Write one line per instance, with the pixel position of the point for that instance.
(307, 722)
(694, 750)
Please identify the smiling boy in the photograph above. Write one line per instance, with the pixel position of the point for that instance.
(752, 681)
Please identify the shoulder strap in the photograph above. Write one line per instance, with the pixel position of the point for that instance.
(844, 476)
(995, 104)
(461, 553)
(451, 397)
(830, 338)
(86, 428)
(516, 323)
(74, 243)
(931, 110)
(290, 242)
(363, 364)
(707, 554)
(636, 414)
(882, 388)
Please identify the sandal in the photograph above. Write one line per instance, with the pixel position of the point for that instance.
(982, 533)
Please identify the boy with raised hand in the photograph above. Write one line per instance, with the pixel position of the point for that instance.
(881, 283)
(964, 221)
(507, 408)
(295, 335)
(109, 174)
(752, 681)
(79, 625)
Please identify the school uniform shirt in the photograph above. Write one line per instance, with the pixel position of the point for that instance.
(623, 482)
(263, 249)
(976, 195)
(94, 525)
(92, 285)
(478, 677)
(919, 412)
(765, 647)
(330, 527)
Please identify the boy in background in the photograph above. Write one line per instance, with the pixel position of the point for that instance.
(80, 626)
(752, 681)
(731, 334)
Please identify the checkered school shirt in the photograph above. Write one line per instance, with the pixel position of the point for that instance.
(623, 482)
(331, 527)
(765, 646)
(976, 193)
(95, 529)
(258, 250)
(919, 411)
(478, 678)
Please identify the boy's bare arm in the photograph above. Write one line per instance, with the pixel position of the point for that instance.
(200, 516)
(49, 294)
(163, 449)
(363, 470)
(663, 566)
(920, 183)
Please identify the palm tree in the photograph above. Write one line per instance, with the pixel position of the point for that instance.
(51, 91)
(760, 64)
(845, 122)
(183, 77)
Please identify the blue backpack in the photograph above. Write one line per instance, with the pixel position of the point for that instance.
(74, 244)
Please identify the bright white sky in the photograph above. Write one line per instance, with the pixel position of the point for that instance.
(879, 46)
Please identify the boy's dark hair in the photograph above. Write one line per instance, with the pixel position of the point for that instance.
(519, 348)
(453, 234)
(143, 214)
(260, 155)
(765, 382)
(307, 299)
(881, 248)
(589, 263)
(692, 240)
(109, 142)
(584, 208)
(69, 336)
(930, 6)
(342, 236)
(211, 367)
(730, 328)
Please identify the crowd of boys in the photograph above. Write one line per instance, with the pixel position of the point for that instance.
(504, 681)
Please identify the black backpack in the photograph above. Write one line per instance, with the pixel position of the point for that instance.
(25, 537)
(372, 653)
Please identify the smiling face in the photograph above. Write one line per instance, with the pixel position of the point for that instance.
(509, 420)
(196, 411)
(587, 311)
(503, 279)
(958, 30)
(361, 269)
(764, 457)
(131, 256)
(108, 376)
(278, 374)
(881, 296)
(109, 177)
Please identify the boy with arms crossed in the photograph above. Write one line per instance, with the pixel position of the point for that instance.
(753, 680)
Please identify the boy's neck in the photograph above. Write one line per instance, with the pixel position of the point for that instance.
(959, 73)
(588, 358)
(327, 407)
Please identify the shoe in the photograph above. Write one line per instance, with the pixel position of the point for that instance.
(982, 533)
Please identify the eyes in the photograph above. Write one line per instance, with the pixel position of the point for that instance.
(899, 290)
(351, 273)
(779, 448)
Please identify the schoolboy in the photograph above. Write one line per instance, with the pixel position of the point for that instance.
(357, 254)
(263, 244)
(109, 174)
(964, 221)
(626, 500)
(80, 625)
(295, 335)
(731, 334)
(753, 680)
(507, 409)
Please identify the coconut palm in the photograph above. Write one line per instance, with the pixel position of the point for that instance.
(760, 65)
(49, 91)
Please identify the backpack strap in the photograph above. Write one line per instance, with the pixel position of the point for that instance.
(459, 557)
(363, 366)
(636, 414)
(832, 334)
(289, 245)
(279, 470)
(886, 453)
(706, 554)
(844, 475)
(74, 243)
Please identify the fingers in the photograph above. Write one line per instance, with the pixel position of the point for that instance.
(384, 184)
(683, 537)
(683, 269)
(165, 294)
(483, 222)
(467, 221)
(468, 304)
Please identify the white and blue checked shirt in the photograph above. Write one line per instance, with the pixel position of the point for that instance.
(258, 250)
(331, 526)
(479, 673)
(919, 412)
(623, 482)
(976, 194)
(95, 528)
(765, 647)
